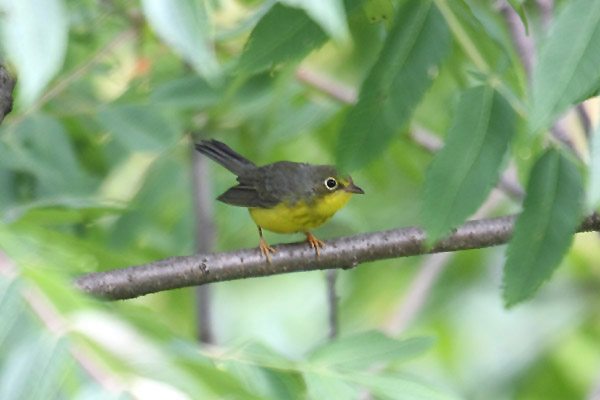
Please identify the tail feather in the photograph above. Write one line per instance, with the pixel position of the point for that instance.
(224, 155)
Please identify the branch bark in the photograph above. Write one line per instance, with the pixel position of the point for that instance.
(7, 85)
(344, 252)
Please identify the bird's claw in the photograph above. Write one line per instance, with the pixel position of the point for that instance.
(265, 250)
(314, 243)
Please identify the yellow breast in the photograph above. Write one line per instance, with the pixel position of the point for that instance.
(301, 216)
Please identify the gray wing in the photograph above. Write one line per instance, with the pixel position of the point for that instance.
(269, 185)
(247, 196)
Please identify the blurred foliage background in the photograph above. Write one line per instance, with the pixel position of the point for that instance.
(97, 172)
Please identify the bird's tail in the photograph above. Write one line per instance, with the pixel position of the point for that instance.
(224, 155)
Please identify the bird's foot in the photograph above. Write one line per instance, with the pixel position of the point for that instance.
(265, 249)
(314, 242)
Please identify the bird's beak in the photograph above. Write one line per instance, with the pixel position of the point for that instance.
(352, 188)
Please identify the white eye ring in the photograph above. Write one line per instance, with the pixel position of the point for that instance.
(330, 183)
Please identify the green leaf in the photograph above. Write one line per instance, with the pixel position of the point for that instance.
(8, 195)
(42, 147)
(34, 36)
(462, 174)
(517, 5)
(139, 128)
(219, 381)
(412, 52)
(480, 37)
(567, 68)
(544, 231)
(259, 354)
(594, 171)
(380, 10)
(63, 210)
(395, 386)
(38, 357)
(284, 34)
(191, 92)
(264, 371)
(321, 386)
(11, 307)
(185, 26)
(330, 15)
(269, 383)
(50, 144)
(364, 350)
(188, 356)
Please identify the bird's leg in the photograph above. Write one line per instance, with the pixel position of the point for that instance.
(314, 242)
(264, 247)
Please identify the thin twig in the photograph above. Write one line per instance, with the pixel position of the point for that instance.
(584, 118)
(524, 43)
(418, 292)
(325, 84)
(200, 269)
(332, 302)
(430, 271)
(204, 241)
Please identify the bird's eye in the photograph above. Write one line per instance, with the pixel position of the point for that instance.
(331, 183)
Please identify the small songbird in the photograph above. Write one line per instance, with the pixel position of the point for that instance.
(285, 196)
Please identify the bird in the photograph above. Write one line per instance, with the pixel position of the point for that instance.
(285, 196)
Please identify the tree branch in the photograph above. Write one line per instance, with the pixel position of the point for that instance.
(343, 252)
(7, 84)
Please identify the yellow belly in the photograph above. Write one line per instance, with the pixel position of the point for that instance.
(300, 217)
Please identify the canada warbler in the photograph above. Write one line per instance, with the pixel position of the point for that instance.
(283, 197)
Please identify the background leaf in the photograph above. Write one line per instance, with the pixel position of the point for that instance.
(191, 92)
(544, 230)
(34, 36)
(479, 33)
(284, 34)
(399, 387)
(327, 387)
(185, 26)
(30, 353)
(366, 349)
(139, 128)
(330, 15)
(41, 146)
(380, 10)
(462, 174)
(412, 51)
(567, 67)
